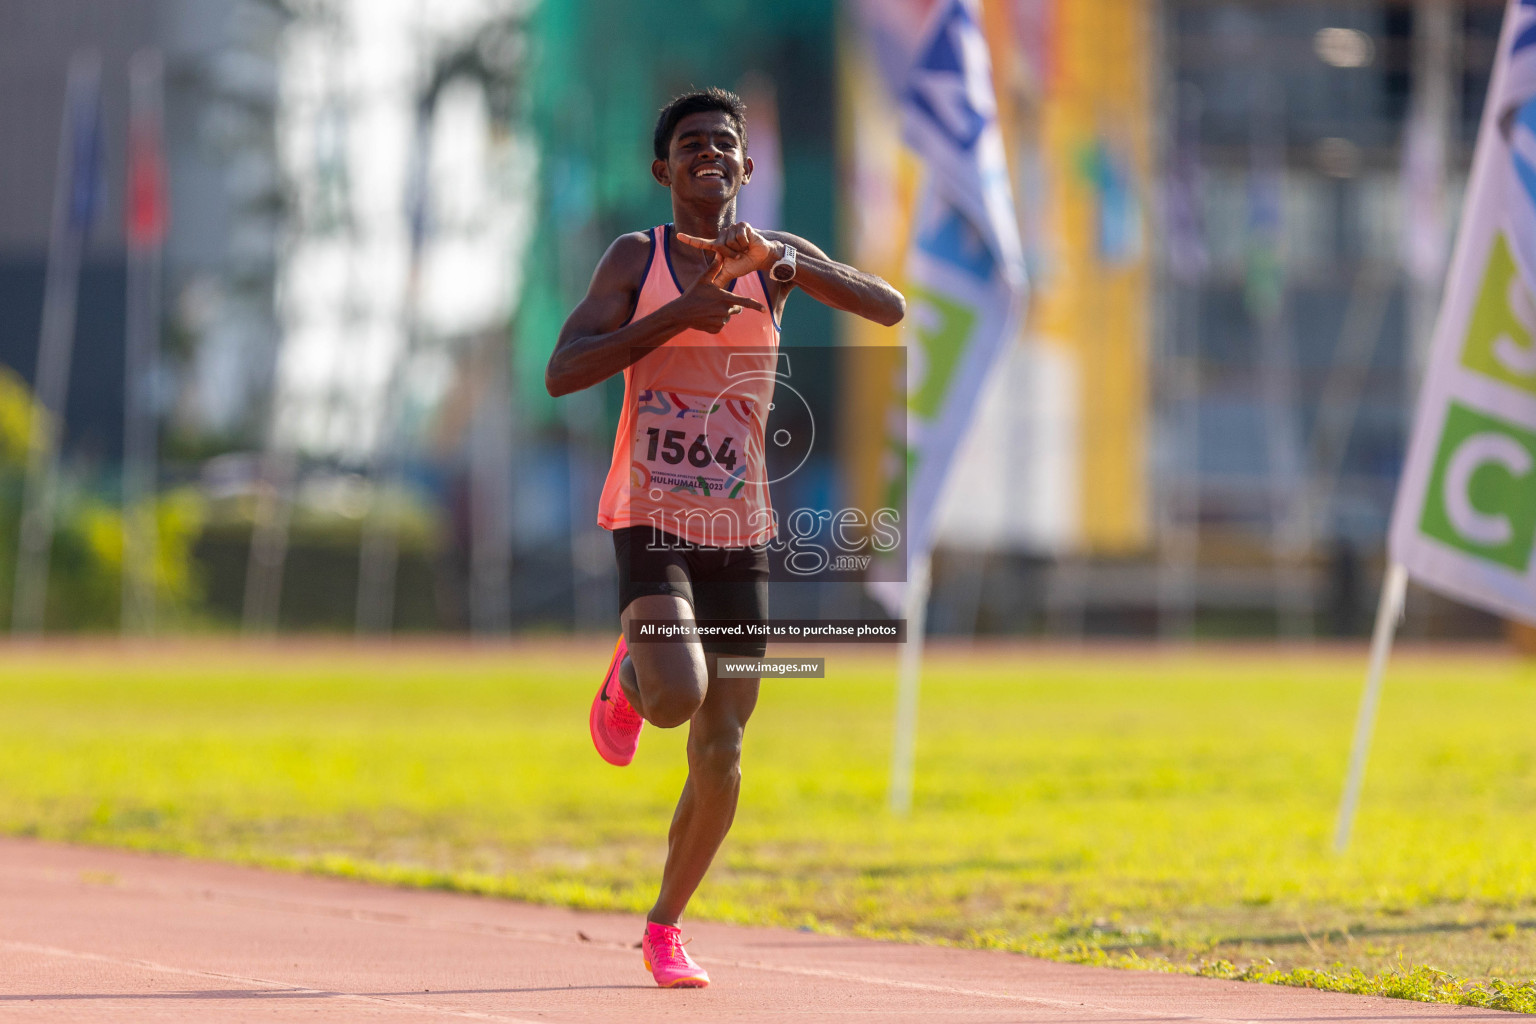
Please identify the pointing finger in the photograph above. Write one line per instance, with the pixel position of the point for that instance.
(699, 243)
(742, 300)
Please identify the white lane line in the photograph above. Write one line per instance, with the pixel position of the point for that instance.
(400, 919)
(955, 990)
(397, 918)
(267, 983)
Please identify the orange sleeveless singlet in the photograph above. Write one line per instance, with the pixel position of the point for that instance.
(688, 458)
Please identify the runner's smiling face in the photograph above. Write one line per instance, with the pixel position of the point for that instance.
(705, 161)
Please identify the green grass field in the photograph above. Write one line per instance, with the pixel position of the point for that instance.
(1164, 810)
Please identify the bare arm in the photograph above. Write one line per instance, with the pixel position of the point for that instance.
(837, 284)
(745, 249)
(595, 342)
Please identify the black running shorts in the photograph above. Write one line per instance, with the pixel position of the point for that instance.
(718, 583)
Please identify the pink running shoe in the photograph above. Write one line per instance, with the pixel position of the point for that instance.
(614, 722)
(667, 961)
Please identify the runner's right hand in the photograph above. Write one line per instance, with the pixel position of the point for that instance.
(707, 307)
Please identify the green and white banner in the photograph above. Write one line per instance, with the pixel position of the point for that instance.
(1465, 518)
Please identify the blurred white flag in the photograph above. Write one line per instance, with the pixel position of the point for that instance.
(965, 267)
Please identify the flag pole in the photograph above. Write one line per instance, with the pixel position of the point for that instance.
(967, 184)
(1389, 610)
(909, 678)
(146, 231)
(490, 490)
(379, 551)
(74, 208)
(268, 553)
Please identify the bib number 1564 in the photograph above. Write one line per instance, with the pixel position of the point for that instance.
(669, 445)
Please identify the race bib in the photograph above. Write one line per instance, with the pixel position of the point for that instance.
(694, 444)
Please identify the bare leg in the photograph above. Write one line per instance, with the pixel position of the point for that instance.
(708, 804)
(664, 680)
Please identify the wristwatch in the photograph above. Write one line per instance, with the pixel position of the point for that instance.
(784, 270)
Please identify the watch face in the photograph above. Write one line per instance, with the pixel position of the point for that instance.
(782, 272)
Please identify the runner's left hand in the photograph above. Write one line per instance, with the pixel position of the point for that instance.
(740, 247)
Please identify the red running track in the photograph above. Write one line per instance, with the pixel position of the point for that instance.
(106, 935)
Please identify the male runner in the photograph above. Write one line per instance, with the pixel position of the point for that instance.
(683, 310)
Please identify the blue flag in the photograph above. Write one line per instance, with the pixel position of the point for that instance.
(85, 145)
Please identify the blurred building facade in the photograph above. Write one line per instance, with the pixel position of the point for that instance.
(1313, 158)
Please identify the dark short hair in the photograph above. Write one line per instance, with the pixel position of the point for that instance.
(723, 100)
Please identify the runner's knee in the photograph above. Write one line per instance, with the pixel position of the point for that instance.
(675, 703)
(671, 680)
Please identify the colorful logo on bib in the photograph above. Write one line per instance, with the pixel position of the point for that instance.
(1482, 493)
